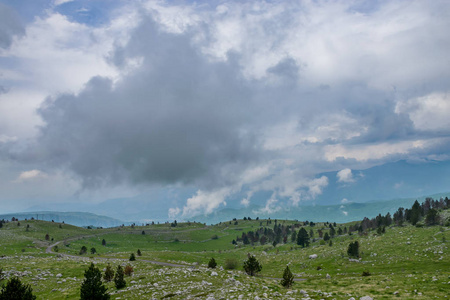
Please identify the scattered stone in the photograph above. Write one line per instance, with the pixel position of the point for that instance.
(313, 256)
(366, 298)
(214, 273)
(328, 276)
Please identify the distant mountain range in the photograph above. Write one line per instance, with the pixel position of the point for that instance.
(74, 218)
(402, 180)
(341, 213)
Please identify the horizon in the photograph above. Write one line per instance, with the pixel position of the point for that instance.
(188, 108)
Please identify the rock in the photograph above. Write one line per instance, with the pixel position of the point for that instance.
(328, 276)
(313, 256)
(59, 275)
(210, 298)
(366, 298)
(396, 293)
(351, 298)
(206, 282)
(214, 273)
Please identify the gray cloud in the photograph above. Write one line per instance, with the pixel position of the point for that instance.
(10, 25)
(177, 118)
(264, 97)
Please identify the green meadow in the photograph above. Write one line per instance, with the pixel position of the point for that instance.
(405, 262)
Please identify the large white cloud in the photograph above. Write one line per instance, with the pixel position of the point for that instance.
(258, 95)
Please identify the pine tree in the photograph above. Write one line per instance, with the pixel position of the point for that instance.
(303, 238)
(288, 278)
(139, 252)
(92, 286)
(103, 242)
(353, 249)
(109, 273)
(212, 263)
(252, 266)
(14, 289)
(83, 250)
(119, 281)
(132, 257)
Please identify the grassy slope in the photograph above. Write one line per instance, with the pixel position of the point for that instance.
(407, 260)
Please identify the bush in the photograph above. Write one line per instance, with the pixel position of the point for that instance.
(128, 270)
(252, 266)
(92, 286)
(288, 278)
(212, 263)
(231, 263)
(14, 289)
(366, 273)
(103, 242)
(83, 250)
(132, 257)
(215, 237)
(139, 252)
(119, 281)
(109, 274)
(93, 251)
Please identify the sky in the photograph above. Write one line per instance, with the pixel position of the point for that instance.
(213, 99)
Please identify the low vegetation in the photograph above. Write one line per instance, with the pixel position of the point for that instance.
(402, 256)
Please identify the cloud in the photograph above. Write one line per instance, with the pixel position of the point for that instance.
(225, 99)
(174, 212)
(10, 25)
(29, 175)
(270, 207)
(428, 113)
(205, 202)
(345, 201)
(345, 175)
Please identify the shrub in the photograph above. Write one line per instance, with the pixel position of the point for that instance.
(288, 278)
(83, 250)
(215, 237)
(132, 257)
(212, 263)
(93, 251)
(366, 273)
(252, 266)
(119, 281)
(231, 263)
(109, 273)
(92, 286)
(139, 253)
(103, 242)
(15, 289)
(47, 237)
(128, 270)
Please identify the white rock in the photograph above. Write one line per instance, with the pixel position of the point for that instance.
(313, 256)
(366, 298)
(328, 276)
(214, 273)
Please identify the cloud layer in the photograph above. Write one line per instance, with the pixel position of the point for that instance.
(238, 97)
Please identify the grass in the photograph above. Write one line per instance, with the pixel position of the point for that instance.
(405, 263)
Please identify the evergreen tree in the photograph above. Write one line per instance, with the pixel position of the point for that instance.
(326, 237)
(132, 257)
(103, 242)
(212, 263)
(303, 238)
(109, 273)
(119, 281)
(14, 289)
(432, 217)
(252, 266)
(92, 287)
(288, 278)
(416, 212)
(93, 251)
(139, 252)
(293, 236)
(353, 249)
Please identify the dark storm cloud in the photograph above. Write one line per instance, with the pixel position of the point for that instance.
(177, 118)
(10, 25)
